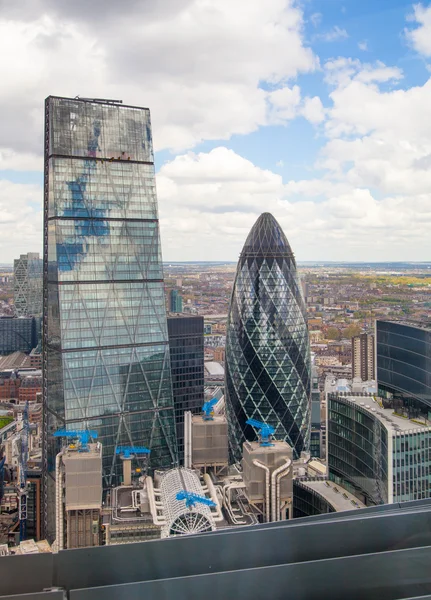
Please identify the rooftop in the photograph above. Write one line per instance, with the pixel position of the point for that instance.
(214, 368)
(409, 323)
(266, 238)
(390, 420)
(336, 495)
(16, 360)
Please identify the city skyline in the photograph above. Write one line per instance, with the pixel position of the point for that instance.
(326, 126)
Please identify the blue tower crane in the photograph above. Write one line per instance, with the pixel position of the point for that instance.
(83, 435)
(207, 409)
(130, 451)
(265, 432)
(191, 499)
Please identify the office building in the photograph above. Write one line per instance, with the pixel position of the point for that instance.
(186, 344)
(376, 454)
(27, 285)
(404, 366)
(363, 357)
(175, 302)
(105, 351)
(18, 334)
(267, 360)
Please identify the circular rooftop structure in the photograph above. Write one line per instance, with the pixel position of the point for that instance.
(181, 520)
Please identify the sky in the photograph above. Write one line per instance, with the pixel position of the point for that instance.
(318, 111)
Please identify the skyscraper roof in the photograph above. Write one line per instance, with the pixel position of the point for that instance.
(266, 238)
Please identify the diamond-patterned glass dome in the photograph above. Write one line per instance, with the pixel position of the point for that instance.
(267, 347)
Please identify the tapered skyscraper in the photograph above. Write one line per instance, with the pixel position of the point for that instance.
(106, 353)
(268, 370)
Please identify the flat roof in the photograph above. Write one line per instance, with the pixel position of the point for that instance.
(410, 323)
(390, 420)
(336, 495)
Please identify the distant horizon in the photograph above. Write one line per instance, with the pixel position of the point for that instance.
(299, 262)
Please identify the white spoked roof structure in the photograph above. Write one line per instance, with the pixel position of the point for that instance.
(181, 520)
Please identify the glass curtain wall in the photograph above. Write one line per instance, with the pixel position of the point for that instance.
(106, 353)
(268, 369)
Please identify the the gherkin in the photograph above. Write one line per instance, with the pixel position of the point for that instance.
(267, 347)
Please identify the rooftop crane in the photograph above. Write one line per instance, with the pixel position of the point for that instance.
(207, 409)
(130, 451)
(191, 499)
(265, 432)
(126, 454)
(83, 435)
(23, 459)
(2, 463)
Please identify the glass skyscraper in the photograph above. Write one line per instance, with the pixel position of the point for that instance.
(106, 353)
(27, 285)
(268, 369)
(404, 365)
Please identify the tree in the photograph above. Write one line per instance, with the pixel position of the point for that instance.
(351, 331)
(333, 333)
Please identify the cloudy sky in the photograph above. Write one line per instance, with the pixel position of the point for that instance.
(318, 111)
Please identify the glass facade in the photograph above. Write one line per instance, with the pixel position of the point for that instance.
(267, 363)
(27, 285)
(18, 334)
(308, 502)
(357, 450)
(404, 365)
(175, 302)
(186, 343)
(106, 353)
(412, 466)
(373, 456)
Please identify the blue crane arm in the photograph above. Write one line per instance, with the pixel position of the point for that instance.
(208, 407)
(191, 499)
(83, 435)
(75, 433)
(260, 425)
(129, 451)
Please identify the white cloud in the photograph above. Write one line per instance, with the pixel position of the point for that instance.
(334, 34)
(211, 200)
(363, 45)
(316, 19)
(20, 219)
(313, 110)
(284, 104)
(420, 38)
(198, 65)
(20, 161)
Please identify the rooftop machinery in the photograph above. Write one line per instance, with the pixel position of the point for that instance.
(126, 454)
(265, 432)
